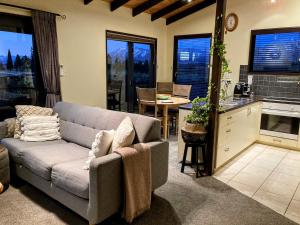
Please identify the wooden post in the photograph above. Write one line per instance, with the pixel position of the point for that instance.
(216, 84)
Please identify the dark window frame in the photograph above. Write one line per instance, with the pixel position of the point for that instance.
(133, 38)
(252, 50)
(175, 49)
(20, 24)
(187, 36)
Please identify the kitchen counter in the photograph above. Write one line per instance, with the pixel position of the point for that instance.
(235, 104)
(241, 113)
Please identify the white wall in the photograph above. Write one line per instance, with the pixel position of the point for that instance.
(82, 47)
(82, 37)
(253, 14)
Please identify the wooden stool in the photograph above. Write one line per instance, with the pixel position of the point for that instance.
(4, 169)
(194, 141)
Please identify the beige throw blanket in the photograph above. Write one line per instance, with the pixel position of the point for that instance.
(137, 180)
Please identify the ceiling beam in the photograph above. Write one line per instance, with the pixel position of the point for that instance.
(190, 11)
(117, 4)
(144, 6)
(86, 2)
(168, 9)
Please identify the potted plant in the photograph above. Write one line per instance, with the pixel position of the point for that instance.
(197, 121)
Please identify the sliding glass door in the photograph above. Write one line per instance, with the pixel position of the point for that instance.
(191, 62)
(20, 80)
(130, 64)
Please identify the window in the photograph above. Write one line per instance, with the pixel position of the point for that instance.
(131, 63)
(191, 62)
(275, 51)
(19, 80)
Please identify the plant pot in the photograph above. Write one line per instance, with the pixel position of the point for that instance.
(194, 128)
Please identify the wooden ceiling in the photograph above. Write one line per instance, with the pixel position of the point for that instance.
(171, 10)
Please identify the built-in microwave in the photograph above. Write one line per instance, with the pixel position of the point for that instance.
(280, 120)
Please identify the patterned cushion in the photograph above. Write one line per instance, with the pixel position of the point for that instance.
(29, 110)
(11, 123)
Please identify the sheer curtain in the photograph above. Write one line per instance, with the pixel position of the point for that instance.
(44, 25)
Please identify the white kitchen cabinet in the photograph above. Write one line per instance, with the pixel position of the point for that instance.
(238, 129)
(182, 114)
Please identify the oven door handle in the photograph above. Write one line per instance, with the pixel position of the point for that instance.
(281, 113)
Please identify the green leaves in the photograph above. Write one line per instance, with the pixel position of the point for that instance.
(200, 111)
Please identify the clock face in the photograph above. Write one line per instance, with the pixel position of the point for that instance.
(231, 22)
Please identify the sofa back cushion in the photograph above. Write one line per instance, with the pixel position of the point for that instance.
(80, 124)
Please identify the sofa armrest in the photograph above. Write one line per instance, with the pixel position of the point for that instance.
(3, 130)
(159, 162)
(105, 194)
(105, 187)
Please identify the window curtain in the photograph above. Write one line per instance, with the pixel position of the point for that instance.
(44, 25)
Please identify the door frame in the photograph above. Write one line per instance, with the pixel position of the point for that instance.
(175, 49)
(134, 39)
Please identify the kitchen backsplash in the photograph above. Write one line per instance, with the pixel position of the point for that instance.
(268, 85)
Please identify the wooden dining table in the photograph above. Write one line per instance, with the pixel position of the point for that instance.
(171, 102)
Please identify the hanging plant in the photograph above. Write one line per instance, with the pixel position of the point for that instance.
(220, 48)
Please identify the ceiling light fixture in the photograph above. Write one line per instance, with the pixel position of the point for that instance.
(273, 1)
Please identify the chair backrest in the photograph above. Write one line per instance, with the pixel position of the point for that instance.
(180, 90)
(164, 87)
(146, 94)
(115, 85)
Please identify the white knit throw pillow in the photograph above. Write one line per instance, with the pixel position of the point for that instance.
(100, 146)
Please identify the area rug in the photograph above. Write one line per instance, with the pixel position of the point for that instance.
(184, 200)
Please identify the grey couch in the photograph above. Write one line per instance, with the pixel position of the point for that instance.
(55, 167)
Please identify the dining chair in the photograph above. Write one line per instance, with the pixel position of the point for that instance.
(164, 88)
(147, 97)
(182, 90)
(114, 89)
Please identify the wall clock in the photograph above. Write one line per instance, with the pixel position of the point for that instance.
(231, 22)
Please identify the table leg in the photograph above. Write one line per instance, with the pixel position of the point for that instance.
(165, 122)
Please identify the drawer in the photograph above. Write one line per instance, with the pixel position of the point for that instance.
(225, 134)
(223, 155)
(280, 142)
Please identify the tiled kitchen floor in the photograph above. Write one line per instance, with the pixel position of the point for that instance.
(269, 175)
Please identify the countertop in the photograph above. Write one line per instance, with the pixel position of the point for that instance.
(237, 103)
(241, 102)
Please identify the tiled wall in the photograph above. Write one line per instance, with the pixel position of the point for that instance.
(268, 85)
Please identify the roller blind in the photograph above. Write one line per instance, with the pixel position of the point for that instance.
(276, 52)
(193, 58)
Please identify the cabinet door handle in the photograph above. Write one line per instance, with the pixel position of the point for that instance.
(227, 149)
(228, 131)
(277, 140)
(229, 117)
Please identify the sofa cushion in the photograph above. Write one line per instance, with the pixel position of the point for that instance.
(16, 147)
(40, 160)
(71, 177)
(80, 124)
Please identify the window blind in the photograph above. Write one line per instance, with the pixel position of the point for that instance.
(276, 52)
(193, 57)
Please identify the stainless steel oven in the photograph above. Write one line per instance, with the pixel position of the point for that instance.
(280, 120)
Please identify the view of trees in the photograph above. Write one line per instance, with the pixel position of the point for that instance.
(20, 63)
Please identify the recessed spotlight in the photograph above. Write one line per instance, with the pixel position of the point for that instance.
(273, 1)
(189, 0)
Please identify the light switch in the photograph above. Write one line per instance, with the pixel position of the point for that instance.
(61, 70)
